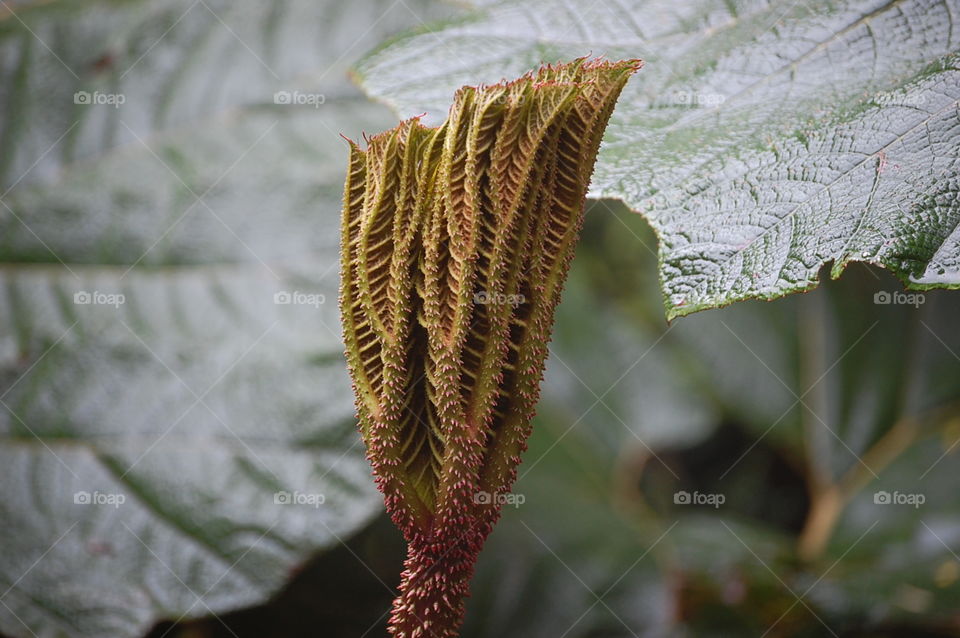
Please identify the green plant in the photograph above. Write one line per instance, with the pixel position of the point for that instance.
(456, 243)
(765, 148)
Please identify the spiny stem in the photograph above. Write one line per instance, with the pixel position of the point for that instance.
(434, 585)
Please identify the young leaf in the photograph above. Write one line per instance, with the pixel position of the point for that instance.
(456, 242)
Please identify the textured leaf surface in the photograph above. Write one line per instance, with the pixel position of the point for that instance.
(174, 62)
(606, 424)
(197, 401)
(203, 398)
(761, 141)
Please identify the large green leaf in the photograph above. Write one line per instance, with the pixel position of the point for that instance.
(761, 140)
(172, 61)
(817, 386)
(168, 328)
(194, 405)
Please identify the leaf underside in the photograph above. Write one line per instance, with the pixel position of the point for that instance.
(764, 142)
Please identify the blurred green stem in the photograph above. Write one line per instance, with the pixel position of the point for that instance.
(829, 498)
(827, 504)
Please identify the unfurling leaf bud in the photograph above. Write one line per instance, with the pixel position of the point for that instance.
(456, 243)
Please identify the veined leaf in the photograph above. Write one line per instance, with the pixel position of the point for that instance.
(80, 78)
(160, 476)
(763, 141)
(169, 348)
(659, 390)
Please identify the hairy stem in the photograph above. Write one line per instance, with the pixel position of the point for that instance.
(433, 587)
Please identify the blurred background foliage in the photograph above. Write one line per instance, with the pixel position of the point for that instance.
(199, 398)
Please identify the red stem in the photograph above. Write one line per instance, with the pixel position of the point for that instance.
(435, 583)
